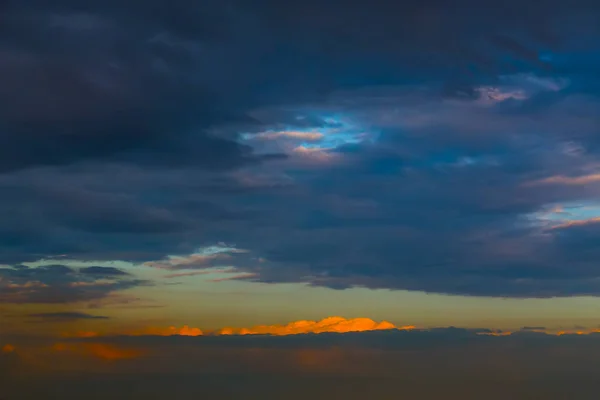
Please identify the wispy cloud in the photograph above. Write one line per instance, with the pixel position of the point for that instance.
(575, 223)
(298, 135)
(206, 257)
(568, 180)
(236, 277)
(66, 316)
(183, 274)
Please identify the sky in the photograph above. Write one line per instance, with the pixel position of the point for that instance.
(290, 168)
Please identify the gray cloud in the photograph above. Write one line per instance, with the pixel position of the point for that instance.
(58, 284)
(102, 271)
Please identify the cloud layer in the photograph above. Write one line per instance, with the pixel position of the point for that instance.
(420, 146)
(326, 325)
(462, 363)
(303, 327)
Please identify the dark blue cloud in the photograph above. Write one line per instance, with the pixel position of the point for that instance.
(133, 133)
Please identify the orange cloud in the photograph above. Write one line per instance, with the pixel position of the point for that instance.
(170, 331)
(578, 332)
(8, 348)
(330, 324)
(183, 331)
(98, 350)
(150, 331)
(326, 325)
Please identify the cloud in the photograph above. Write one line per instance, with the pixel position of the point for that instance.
(101, 351)
(66, 316)
(60, 284)
(402, 156)
(172, 330)
(149, 105)
(8, 348)
(584, 222)
(244, 276)
(308, 136)
(566, 180)
(326, 325)
(533, 328)
(331, 324)
(183, 274)
(102, 271)
(208, 257)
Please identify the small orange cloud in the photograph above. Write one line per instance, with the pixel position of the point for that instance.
(185, 331)
(8, 348)
(170, 331)
(98, 350)
(406, 328)
(110, 353)
(80, 334)
(578, 332)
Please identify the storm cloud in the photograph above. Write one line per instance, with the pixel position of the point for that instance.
(429, 146)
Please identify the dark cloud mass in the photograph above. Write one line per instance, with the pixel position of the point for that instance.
(448, 147)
